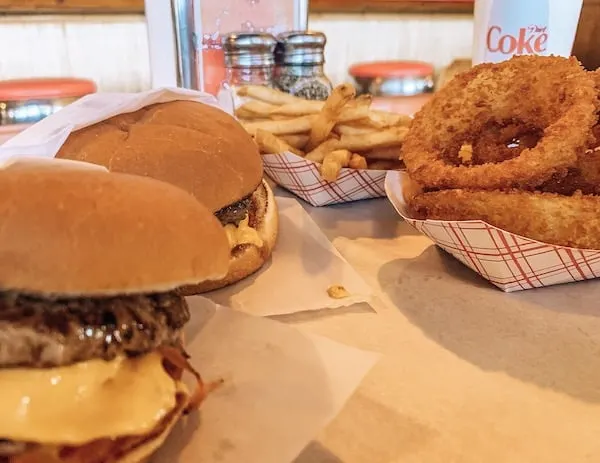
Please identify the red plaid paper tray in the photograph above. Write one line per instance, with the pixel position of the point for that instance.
(511, 262)
(302, 178)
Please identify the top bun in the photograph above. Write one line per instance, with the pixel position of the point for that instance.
(194, 146)
(78, 232)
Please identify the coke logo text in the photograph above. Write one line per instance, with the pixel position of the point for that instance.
(530, 40)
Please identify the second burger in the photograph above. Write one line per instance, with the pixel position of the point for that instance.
(202, 150)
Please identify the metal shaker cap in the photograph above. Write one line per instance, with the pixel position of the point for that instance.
(300, 47)
(249, 49)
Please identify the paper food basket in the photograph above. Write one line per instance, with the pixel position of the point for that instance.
(302, 178)
(509, 261)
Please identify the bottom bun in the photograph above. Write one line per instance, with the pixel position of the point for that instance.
(248, 258)
(143, 452)
(126, 449)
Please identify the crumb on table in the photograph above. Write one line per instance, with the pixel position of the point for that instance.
(337, 292)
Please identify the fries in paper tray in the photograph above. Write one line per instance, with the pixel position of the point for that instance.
(329, 152)
(509, 261)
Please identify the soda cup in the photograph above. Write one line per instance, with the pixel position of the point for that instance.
(504, 28)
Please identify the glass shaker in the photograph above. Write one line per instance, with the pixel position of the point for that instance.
(299, 58)
(249, 58)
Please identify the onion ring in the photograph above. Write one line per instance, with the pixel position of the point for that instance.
(550, 218)
(552, 94)
(583, 177)
(501, 143)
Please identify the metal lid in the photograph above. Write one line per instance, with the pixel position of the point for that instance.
(300, 47)
(249, 49)
(44, 88)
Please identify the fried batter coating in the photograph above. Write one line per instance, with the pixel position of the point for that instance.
(551, 94)
(583, 177)
(547, 217)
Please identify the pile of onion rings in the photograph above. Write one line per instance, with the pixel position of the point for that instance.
(515, 144)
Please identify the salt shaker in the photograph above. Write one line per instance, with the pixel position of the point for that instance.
(299, 60)
(249, 58)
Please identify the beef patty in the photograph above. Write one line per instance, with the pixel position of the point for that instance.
(235, 212)
(38, 332)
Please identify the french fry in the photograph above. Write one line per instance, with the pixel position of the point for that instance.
(268, 95)
(333, 164)
(271, 144)
(347, 129)
(244, 114)
(257, 107)
(383, 119)
(352, 114)
(370, 141)
(357, 162)
(342, 131)
(318, 154)
(302, 108)
(355, 109)
(281, 127)
(297, 141)
(391, 153)
(328, 117)
(307, 108)
(361, 100)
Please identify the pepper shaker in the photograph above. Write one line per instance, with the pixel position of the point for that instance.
(249, 58)
(299, 60)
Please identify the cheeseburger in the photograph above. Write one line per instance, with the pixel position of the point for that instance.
(90, 319)
(202, 150)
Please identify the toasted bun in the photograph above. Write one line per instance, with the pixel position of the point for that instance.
(78, 232)
(247, 259)
(194, 146)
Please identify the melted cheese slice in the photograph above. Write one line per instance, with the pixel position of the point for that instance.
(242, 234)
(86, 401)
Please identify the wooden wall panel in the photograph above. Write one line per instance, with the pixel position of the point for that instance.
(71, 6)
(137, 6)
(586, 41)
(384, 6)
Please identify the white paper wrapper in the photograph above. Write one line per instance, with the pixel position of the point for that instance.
(304, 263)
(281, 388)
(50, 163)
(303, 266)
(511, 262)
(47, 136)
(302, 178)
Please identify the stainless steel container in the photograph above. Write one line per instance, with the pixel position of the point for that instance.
(393, 78)
(301, 48)
(24, 102)
(27, 101)
(249, 58)
(300, 59)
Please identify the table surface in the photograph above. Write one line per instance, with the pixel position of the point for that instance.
(468, 373)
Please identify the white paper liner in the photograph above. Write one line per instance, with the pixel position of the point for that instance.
(304, 263)
(302, 178)
(303, 266)
(282, 387)
(509, 261)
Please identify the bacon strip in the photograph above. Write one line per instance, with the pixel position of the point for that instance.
(179, 359)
